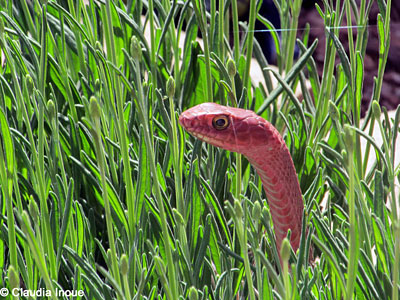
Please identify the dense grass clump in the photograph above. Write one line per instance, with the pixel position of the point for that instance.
(102, 192)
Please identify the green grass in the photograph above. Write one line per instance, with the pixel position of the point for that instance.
(103, 192)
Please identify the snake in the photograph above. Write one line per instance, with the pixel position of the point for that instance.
(245, 132)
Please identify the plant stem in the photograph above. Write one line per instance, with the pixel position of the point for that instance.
(241, 229)
(221, 29)
(396, 263)
(177, 161)
(143, 116)
(250, 37)
(235, 21)
(130, 197)
(7, 176)
(353, 236)
(201, 19)
(95, 115)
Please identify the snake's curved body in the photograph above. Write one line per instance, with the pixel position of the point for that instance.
(245, 132)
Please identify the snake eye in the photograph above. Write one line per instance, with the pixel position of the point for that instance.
(220, 122)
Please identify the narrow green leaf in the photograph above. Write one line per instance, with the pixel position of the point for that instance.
(342, 55)
(290, 76)
(204, 243)
(8, 148)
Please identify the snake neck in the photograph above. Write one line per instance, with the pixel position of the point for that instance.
(278, 175)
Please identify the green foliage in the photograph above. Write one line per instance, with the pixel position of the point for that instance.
(102, 191)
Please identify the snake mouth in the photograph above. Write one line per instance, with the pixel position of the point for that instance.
(186, 122)
(203, 131)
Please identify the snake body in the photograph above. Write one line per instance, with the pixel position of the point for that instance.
(245, 132)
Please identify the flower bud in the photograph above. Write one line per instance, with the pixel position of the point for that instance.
(231, 68)
(97, 85)
(178, 217)
(51, 109)
(193, 294)
(170, 87)
(124, 264)
(13, 278)
(94, 108)
(349, 137)
(344, 154)
(29, 84)
(98, 46)
(256, 211)
(109, 257)
(136, 49)
(33, 210)
(238, 209)
(160, 264)
(266, 215)
(376, 110)
(285, 250)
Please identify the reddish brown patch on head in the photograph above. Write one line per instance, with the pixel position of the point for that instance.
(233, 129)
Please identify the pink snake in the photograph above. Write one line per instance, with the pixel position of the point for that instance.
(245, 132)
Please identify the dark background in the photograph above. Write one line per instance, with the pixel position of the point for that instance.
(390, 97)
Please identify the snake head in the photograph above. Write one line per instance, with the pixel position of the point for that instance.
(230, 128)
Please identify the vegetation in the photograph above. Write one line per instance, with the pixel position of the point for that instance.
(103, 192)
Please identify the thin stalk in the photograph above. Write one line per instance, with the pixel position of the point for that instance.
(241, 230)
(361, 27)
(153, 49)
(238, 175)
(235, 24)
(175, 36)
(125, 280)
(353, 232)
(79, 43)
(326, 82)
(383, 51)
(256, 236)
(95, 115)
(57, 156)
(394, 214)
(177, 162)
(232, 71)
(390, 168)
(177, 60)
(62, 63)
(28, 18)
(202, 24)
(247, 266)
(130, 197)
(143, 117)
(296, 7)
(350, 38)
(40, 169)
(213, 27)
(38, 175)
(286, 280)
(396, 263)
(221, 29)
(250, 37)
(384, 44)
(351, 94)
(176, 159)
(37, 252)
(7, 177)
